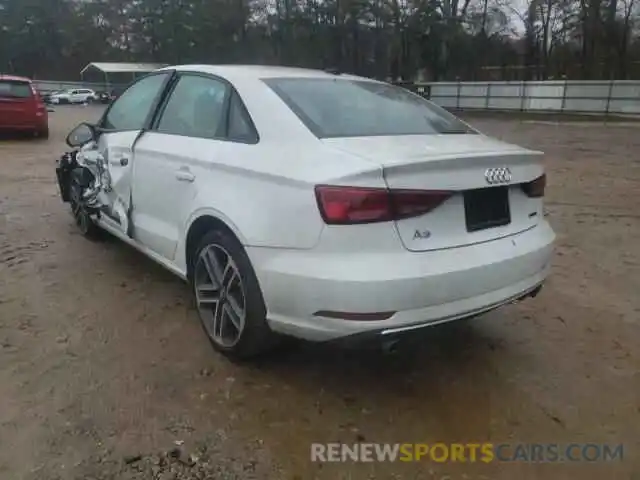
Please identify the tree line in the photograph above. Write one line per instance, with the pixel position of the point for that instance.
(398, 39)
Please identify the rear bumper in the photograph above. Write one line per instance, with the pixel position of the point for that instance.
(391, 336)
(23, 128)
(423, 288)
(36, 124)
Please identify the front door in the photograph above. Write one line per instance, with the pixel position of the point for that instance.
(121, 127)
(115, 151)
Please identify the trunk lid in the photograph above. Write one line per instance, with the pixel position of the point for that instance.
(476, 211)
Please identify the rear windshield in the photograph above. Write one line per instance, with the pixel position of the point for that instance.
(15, 89)
(353, 108)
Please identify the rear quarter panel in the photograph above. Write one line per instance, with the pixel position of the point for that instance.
(265, 192)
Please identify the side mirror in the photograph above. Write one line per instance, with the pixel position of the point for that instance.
(81, 135)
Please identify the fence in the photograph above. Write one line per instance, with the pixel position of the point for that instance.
(599, 97)
(50, 86)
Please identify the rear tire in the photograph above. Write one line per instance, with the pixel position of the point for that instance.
(229, 299)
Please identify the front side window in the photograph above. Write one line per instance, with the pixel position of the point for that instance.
(195, 108)
(14, 89)
(132, 109)
(335, 107)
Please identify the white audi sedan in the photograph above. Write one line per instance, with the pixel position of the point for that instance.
(309, 204)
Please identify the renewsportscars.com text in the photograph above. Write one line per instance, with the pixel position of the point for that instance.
(466, 452)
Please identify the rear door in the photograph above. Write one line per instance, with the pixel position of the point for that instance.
(175, 157)
(17, 105)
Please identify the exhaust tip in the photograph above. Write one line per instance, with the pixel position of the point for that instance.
(533, 294)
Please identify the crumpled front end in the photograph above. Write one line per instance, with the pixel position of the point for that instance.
(83, 180)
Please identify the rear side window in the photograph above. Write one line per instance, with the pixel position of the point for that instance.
(195, 108)
(15, 89)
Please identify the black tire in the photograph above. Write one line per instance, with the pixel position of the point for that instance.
(256, 337)
(83, 221)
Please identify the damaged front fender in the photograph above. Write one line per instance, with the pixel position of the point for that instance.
(83, 179)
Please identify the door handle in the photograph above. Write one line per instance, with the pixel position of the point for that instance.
(119, 160)
(184, 175)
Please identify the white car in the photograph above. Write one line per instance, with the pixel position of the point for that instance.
(315, 205)
(81, 95)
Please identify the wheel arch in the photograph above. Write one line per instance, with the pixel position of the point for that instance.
(199, 226)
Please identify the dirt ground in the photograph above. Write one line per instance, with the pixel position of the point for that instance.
(104, 368)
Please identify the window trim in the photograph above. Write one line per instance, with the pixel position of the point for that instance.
(230, 90)
(154, 105)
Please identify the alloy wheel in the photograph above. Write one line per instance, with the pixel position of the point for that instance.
(220, 295)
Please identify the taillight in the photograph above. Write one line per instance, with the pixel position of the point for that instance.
(413, 203)
(535, 188)
(348, 205)
(352, 205)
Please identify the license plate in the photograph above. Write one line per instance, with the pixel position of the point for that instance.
(486, 208)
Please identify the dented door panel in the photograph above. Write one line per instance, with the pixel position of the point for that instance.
(116, 150)
(107, 165)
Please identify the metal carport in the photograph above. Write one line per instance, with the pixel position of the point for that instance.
(111, 73)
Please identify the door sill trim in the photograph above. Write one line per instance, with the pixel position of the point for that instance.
(142, 249)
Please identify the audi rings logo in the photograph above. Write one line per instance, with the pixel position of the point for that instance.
(496, 176)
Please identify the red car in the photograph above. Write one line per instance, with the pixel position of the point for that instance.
(21, 108)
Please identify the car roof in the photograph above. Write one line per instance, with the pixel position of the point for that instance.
(14, 78)
(256, 72)
(273, 118)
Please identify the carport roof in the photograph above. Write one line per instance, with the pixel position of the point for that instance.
(110, 67)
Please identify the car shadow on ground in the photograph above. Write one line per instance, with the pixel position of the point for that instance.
(460, 345)
(456, 348)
